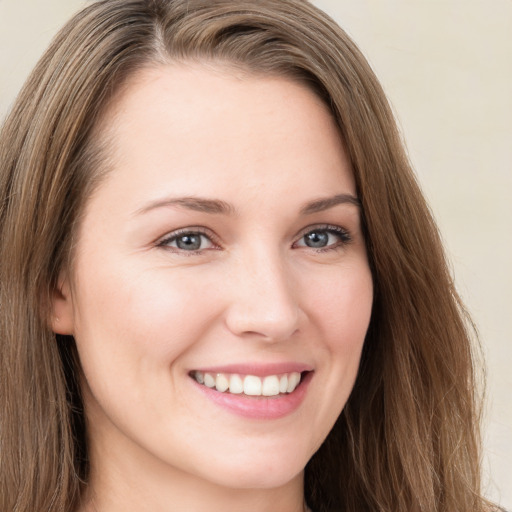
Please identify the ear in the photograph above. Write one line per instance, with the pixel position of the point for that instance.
(62, 313)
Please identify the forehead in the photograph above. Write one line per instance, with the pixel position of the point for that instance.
(213, 87)
(205, 122)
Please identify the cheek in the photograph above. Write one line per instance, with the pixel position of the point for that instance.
(343, 313)
(131, 321)
(342, 308)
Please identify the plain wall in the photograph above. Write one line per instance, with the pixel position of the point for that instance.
(446, 66)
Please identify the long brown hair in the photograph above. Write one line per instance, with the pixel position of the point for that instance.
(407, 440)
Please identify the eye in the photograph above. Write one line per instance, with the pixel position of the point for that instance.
(329, 237)
(190, 241)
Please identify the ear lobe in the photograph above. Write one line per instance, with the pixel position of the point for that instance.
(62, 317)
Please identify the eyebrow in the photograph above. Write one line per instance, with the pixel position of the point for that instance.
(217, 206)
(197, 204)
(323, 204)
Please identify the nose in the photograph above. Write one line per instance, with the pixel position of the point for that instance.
(263, 302)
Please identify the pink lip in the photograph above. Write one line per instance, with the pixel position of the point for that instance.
(260, 407)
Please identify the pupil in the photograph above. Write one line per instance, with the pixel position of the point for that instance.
(189, 242)
(317, 239)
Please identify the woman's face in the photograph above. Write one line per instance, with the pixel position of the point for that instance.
(223, 249)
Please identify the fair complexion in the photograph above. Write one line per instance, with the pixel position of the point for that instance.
(224, 242)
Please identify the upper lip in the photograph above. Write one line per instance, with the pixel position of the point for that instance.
(258, 370)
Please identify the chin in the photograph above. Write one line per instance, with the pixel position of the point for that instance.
(268, 478)
(257, 473)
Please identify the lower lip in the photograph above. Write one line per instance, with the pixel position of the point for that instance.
(259, 407)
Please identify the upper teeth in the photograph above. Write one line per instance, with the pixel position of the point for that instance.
(271, 385)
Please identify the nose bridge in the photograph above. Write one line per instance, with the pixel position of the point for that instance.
(264, 302)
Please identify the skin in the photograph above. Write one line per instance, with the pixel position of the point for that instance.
(146, 313)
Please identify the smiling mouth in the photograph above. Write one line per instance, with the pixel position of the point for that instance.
(250, 385)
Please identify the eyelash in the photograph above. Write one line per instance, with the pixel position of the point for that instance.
(343, 235)
(175, 235)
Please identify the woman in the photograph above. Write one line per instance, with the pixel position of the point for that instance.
(220, 284)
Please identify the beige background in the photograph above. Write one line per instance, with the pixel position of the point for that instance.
(447, 68)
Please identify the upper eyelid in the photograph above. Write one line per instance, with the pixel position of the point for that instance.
(324, 227)
(188, 230)
(344, 234)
